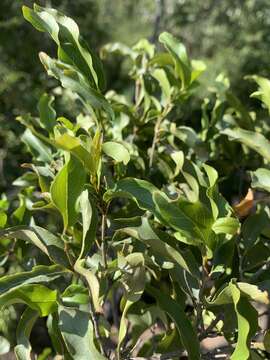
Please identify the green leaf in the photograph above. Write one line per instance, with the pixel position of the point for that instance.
(178, 315)
(39, 274)
(18, 214)
(133, 278)
(134, 282)
(143, 193)
(3, 219)
(251, 139)
(198, 67)
(56, 336)
(89, 222)
(23, 348)
(226, 225)
(140, 229)
(78, 334)
(75, 294)
(48, 243)
(261, 179)
(123, 325)
(193, 220)
(161, 76)
(46, 112)
(179, 54)
(4, 345)
(37, 297)
(66, 189)
(74, 146)
(253, 227)
(37, 147)
(92, 282)
(263, 93)
(26, 287)
(247, 319)
(191, 139)
(165, 251)
(117, 48)
(71, 47)
(74, 81)
(116, 151)
(140, 191)
(257, 293)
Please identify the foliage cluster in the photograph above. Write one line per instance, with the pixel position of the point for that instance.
(125, 241)
(230, 36)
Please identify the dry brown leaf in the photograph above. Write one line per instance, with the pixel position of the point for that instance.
(243, 208)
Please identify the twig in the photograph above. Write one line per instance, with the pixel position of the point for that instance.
(212, 325)
(240, 267)
(167, 109)
(94, 318)
(103, 240)
(199, 307)
(259, 272)
(155, 139)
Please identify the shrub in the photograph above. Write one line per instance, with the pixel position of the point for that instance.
(121, 239)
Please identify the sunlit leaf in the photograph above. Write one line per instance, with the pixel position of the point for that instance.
(78, 332)
(116, 151)
(178, 52)
(46, 112)
(23, 348)
(48, 243)
(261, 179)
(66, 189)
(251, 139)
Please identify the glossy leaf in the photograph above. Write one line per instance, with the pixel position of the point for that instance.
(37, 297)
(227, 225)
(48, 243)
(263, 92)
(66, 189)
(65, 33)
(116, 151)
(191, 219)
(41, 151)
(4, 345)
(3, 219)
(74, 81)
(91, 280)
(75, 294)
(247, 324)
(251, 139)
(74, 146)
(78, 333)
(261, 179)
(39, 274)
(134, 282)
(89, 222)
(23, 348)
(46, 112)
(140, 229)
(178, 52)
